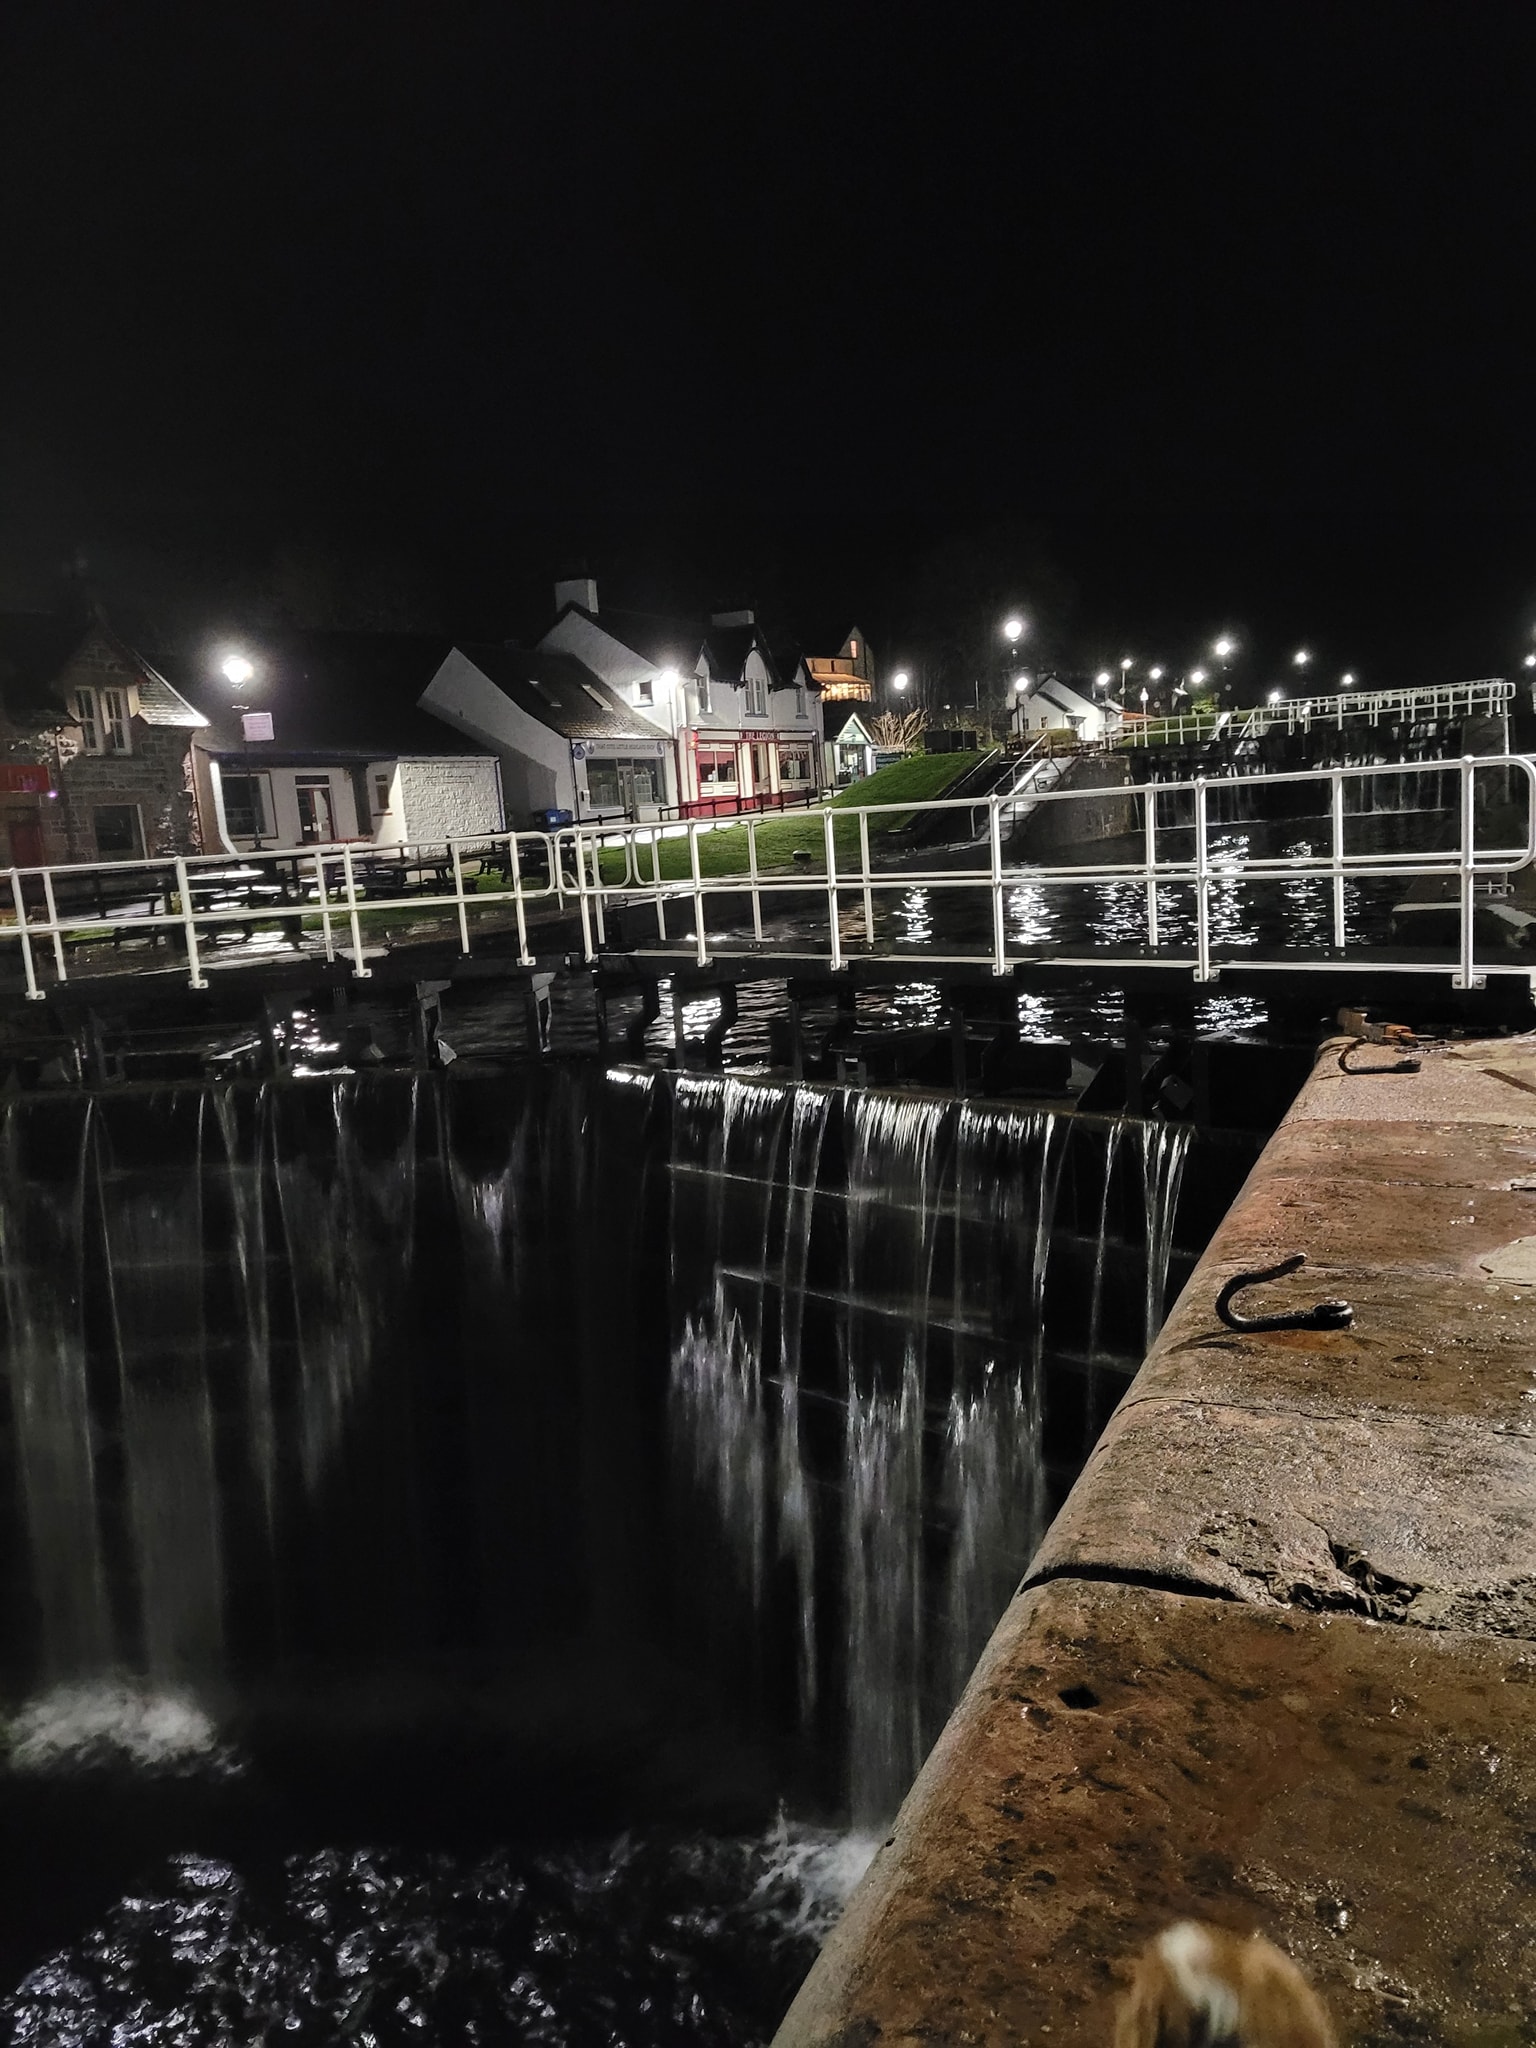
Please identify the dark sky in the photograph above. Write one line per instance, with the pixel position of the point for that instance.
(1231, 305)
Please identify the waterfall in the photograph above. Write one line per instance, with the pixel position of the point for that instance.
(773, 1385)
(901, 1470)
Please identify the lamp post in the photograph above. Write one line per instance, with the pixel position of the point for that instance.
(236, 669)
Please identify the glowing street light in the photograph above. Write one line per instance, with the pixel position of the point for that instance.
(1013, 628)
(1197, 676)
(900, 680)
(1277, 696)
(1103, 679)
(1530, 661)
(1224, 648)
(1156, 674)
(1144, 693)
(1300, 658)
(236, 669)
(1348, 679)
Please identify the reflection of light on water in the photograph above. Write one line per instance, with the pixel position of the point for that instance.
(912, 915)
(1031, 915)
(1229, 1016)
(651, 1938)
(1037, 1017)
(917, 1004)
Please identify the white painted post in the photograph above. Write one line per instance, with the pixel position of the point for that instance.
(1337, 808)
(869, 894)
(189, 926)
(359, 971)
(596, 849)
(325, 908)
(835, 936)
(1468, 977)
(1202, 886)
(524, 957)
(34, 993)
(53, 919)
(757, 901)
(661, 906)
(700, 937)
(995, 843)
(458, 890)
(587, 951)
(1151, 825)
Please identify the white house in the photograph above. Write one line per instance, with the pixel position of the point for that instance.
(1049, 703)
(850, 745)
(327, 741)
(565, 740)
(743, 724)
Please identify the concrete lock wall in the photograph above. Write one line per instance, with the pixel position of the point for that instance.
(1275, 1662)
(1083, 823)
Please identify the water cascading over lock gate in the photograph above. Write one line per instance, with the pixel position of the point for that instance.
(772, 1386)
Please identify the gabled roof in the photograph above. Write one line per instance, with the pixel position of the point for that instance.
(843, 713)
(35, 649)
(663, 642)
(341, 696)
(560, 691)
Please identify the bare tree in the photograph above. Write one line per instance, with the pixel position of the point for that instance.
(898, 732)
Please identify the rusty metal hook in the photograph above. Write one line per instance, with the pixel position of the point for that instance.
(1397, 1066)
(1324, 1315)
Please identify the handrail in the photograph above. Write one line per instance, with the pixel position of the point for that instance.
(1490, 695)
(599, 869)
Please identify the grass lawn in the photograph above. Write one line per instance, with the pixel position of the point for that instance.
(917, 779)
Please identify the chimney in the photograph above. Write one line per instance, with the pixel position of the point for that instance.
(742, 618)
(580, 590)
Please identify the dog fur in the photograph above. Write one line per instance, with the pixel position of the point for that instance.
(1197, 1986)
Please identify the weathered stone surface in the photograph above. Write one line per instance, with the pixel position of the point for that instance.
(1340, 1744)
(1366, 1795)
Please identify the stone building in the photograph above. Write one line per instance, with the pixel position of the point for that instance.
(95, 747)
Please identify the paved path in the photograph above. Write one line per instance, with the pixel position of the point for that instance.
(1276, 1661)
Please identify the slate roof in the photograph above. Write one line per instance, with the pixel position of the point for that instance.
(36, 646)
(560, 691)
(335, 696)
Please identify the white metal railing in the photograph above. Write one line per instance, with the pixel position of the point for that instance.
(337, 893)
(1488, 697)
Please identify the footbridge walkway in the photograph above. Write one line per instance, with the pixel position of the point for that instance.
(1156, 878)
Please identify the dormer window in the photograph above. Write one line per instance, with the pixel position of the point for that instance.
(103, 716)
(705, 707)
(645, 690)
(757, 697)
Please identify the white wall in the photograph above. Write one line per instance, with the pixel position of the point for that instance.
(536, 770)
(444, 796)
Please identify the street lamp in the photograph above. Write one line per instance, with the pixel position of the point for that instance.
(1224, 648)
(1530, 661)
(1197, 676)
(1156, 674)
(1013, 629)
(900, 680)
(1103, 679)
(1348, 679)
(1277, 696)
(238, 670)
(1300, 658)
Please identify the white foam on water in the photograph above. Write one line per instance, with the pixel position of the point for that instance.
(809, 1874)
(119, 1723)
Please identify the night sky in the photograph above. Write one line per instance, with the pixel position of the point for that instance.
(1170, 318)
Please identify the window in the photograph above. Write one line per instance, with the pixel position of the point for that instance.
(620, 784)
(794, 764)
(705, 707)
(759, 767)
(800, 705)
(103, 716)
(757, 697)
(118, 836)
(381, 792)
(853, 650)
(645, 690)
(717, 765)
(597, 696)
(245, 810)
